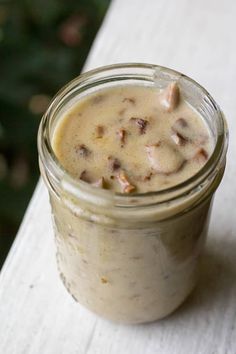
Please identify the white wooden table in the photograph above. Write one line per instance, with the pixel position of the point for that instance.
(37, 316)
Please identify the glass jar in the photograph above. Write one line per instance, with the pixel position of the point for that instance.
(130, 258)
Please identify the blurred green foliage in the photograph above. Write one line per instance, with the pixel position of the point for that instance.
(43, 45)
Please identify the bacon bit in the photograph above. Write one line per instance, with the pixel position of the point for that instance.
(159, 143)
(141, 123)
(84, 176)
(126, 186)
(130, 100)
(181, 122)
(100, 183)
(114, 163)
(121, 134)
(147, 177)
(179, 139)
(99, 131)
(170, 97)
(82, 150)
(164, 158)
(201, 155)
(178, 136)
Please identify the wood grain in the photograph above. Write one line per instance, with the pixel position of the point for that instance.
(37, 315)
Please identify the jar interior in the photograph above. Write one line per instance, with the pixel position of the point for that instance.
(160, 78)
(134, 74)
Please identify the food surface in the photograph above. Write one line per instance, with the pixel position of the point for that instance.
(132, 139)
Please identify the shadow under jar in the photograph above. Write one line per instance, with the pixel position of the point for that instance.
(130, 258)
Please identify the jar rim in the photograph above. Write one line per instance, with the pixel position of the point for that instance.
(57, 174)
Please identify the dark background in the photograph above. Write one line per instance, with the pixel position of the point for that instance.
(43, 45)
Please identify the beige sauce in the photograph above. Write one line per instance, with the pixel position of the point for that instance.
(132, 139)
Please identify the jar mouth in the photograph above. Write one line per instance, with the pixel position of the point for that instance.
(57, 177)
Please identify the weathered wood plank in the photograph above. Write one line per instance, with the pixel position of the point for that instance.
(37, 315)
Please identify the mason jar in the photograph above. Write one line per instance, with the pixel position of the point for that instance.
(130, 258)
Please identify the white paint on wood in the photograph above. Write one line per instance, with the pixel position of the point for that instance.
(37, 316)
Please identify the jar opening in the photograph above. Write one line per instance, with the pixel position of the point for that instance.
(145, 74)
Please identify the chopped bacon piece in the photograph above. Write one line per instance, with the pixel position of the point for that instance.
(114, 163)
(201, 155)
(126, 186)
(147, 177)
(121, 134)
(100, 131)
(100, 183)
(84, 176)
(82, 150)
(179, 132)
(179, 139)
(141, 123)
(143, 178)
(170, 97)
(181, 122)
